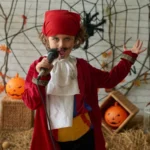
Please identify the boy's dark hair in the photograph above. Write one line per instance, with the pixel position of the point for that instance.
(79, 39)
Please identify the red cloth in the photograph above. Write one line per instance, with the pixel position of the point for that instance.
(89, 79)
(61, 22)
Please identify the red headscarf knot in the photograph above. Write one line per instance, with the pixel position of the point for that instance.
(61, 22)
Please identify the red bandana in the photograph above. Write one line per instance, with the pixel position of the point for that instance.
(61, 22)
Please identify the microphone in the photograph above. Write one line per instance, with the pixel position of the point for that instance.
(52, 54)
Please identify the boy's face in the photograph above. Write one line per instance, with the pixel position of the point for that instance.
(64, 43)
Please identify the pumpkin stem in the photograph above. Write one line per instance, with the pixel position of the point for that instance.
(17, 75)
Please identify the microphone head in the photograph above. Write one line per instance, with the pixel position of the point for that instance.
(52, 54)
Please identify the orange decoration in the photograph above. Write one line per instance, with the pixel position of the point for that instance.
(137, 82)
(15, 87)
(115, 115)
(2, 75)
(2, 87)
(107, 54)
(104, 54)
(5, 48)
(104, 65)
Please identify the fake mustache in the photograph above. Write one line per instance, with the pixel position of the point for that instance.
(63, 49)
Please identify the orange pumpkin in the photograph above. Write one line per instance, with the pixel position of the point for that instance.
(15, 87)
(2, 87)
(115, 115)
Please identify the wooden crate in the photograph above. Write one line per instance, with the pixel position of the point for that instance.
(15, 115)
(116, 96)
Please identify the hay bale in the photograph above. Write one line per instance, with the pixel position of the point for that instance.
(132, 138)
(129, 140)
(19, 140)
(15, 115)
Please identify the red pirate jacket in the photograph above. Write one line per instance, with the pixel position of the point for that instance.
(89, 79)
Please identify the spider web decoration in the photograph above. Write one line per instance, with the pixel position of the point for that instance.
(23, 19)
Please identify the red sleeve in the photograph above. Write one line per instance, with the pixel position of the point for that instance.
(103, 79)
(31, 96)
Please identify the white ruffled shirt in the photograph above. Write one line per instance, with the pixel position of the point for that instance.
(61, 89)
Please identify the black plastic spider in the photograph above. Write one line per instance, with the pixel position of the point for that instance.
(90, 28)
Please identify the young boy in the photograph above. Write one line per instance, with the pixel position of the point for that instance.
(70, 117)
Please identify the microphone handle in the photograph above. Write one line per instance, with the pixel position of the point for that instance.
(53, 54)
(41, 73)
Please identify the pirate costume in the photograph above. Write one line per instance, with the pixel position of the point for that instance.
(70, 93)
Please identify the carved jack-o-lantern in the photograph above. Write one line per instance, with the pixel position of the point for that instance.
(15, 87)
(115, 115)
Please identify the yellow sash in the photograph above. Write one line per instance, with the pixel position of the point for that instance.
(81, 124)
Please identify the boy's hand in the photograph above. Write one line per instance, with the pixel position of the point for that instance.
(44, 64)
(137, 47)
